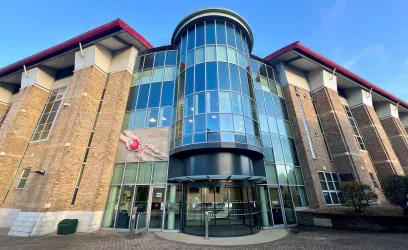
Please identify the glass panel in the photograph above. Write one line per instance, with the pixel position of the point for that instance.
(151, 118)
(199, 106)
(288, 205)
(238, 38)
(187, 139)
(188, 126)
(263, 122)
(277, 150)
(160, 172)
(130, 174)
(246, 106)
(131, 103)
(244, 81)
(157, 206)
(165, 119)
(276, 206)
(200, 34)
(145, 172)
(266, 215)
(232, 56)
(299, 177)
(239, 124)
(125, 207)
(191, 39)
(189, 105)
(220, 29)
(171, 58)
(260, 101)
(225, 122)
(327, 198)
(154, 97)
(213, 123)
(297, 201)
(199, 55)
(200, 77)
(140, 119)
(199, 137)
(235, 82)
(173, 216)
(282, 175)
(169, 73)
(189, 81)
(227, 137)
(223, 76)
(286, 150)
(143, 96)
(118, 174)
(305, 200)
(211, 76)
(225, 102)
(267, 148)
(211, 102)
(271, 174)
(213, 137)
(291, 175)
(111, 207)
(190, 58)
(210, 53)
(210, 32)
(148, 61)
(200, 124)
(230, 35)
(249, 127)
(222, 53)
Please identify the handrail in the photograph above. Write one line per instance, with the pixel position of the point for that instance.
(138, 230)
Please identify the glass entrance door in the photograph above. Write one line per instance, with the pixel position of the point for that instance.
(156, 208)
(276, 206)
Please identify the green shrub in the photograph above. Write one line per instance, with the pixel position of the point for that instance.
(395, 189)
(357, 195)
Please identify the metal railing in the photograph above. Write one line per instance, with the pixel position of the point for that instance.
(138, 222)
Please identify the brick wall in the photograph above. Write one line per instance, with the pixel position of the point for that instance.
(376, 141)
(399, 139)
(309, 165)
(16, 131)
(2, 109)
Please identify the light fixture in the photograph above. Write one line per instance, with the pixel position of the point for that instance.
(152, 120)
(164, 118)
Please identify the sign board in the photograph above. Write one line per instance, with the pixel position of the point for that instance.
(158, 195)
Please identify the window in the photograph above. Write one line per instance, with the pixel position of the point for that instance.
(354, 126)
(330, 184)
(47, 118)
(374, 180)
(3, 117)
(23, 179)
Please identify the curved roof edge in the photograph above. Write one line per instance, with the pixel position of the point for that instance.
(110, 27)
(233, 14)
(298, 47)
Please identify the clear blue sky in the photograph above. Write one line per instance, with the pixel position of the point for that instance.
(367, 37)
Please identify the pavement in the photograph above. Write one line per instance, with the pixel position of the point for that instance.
(299, 238)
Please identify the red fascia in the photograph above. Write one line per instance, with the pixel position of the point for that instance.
(113, 26)
(297, 46)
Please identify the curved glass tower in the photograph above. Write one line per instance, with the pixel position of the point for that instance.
(230, 153)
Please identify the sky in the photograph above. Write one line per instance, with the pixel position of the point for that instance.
(367, 37)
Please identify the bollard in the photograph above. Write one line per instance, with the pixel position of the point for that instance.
(132, 222)
(206, 225)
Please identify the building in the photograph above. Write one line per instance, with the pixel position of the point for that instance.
(105, 122)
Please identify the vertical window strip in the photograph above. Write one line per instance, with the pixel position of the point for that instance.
(23, 179)
(354, 126)
(309, 137)
(49, 115)
(321, 129)
(88, 147)
(4, 115)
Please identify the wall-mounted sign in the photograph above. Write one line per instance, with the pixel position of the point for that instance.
(143, 145)
(158, 195)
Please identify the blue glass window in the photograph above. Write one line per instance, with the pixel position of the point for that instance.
(151, 118)
(249, 126)
(187, 139)
(183, 45)
(227, 137)
(232, 55)
(140, 119)
(169, 73)
(222, 53)
(182, 85)
(189, 105)
(235, 85)
(131, 103)
(199, 137)
(211, 76)
(171, 57)
(200, 34)
(246, 106)
(286, 150)
(143, 96)
(213, 122)
(263, 121)
(267, 148)
(200, 77)
(225, 102)
(210, 32)
(240, 138)
(199, 55)
(165, 119)
(221, 38)
(273, 128)
(188, 126)
(236, 104)
(159, 59)
(244, 81)
(223, 76)
(199, 106)
(154, 97)
(276, 104)
(190, 80)
(190, 58)
(260, 101)
(139, 63)
(239, 41)
(230, 35)
(210, 53)
(226, 122)
(277, 150)
(191, 39)
(239, 124)
(168, 92)
(213, 136)
(211, 102)
(157, 75)
(148, 61)
(269, 103)
(199, 125)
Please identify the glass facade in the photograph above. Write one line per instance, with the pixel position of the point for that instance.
(207, 87)
(215, 99)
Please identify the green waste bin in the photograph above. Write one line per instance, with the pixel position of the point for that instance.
(67, 226)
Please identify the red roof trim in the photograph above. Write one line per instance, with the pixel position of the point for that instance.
(297, 46)
(113, 26)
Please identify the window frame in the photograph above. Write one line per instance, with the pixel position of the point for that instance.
(23, 178)
(336, 190)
